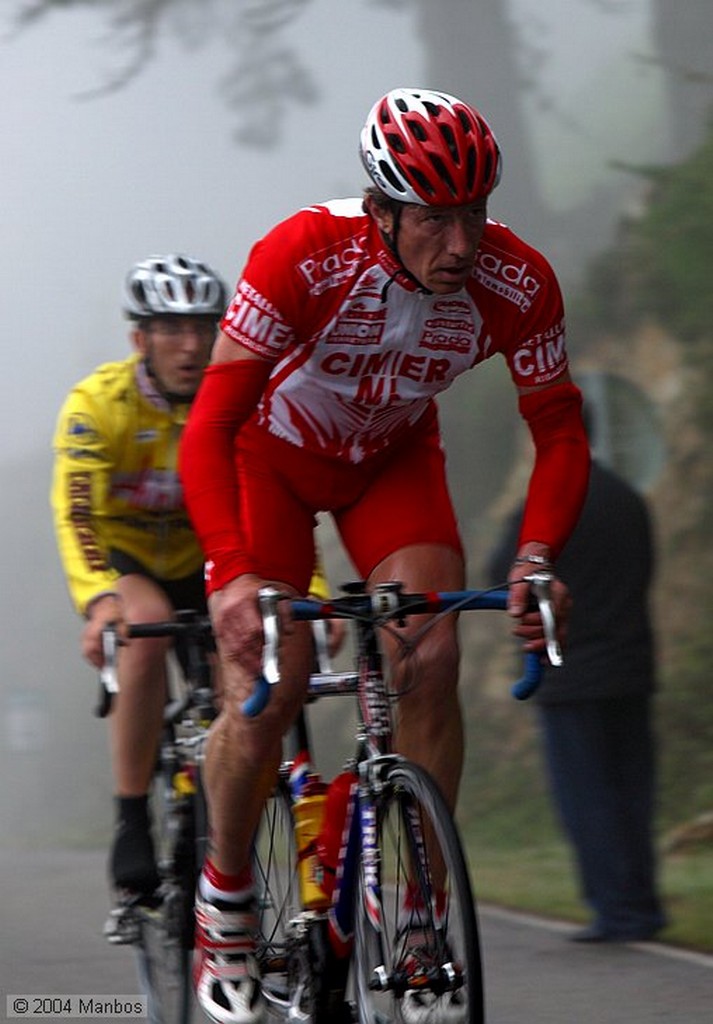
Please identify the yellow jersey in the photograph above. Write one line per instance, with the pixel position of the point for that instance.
(116, 484)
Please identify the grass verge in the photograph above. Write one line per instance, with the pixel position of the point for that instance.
(540, 879)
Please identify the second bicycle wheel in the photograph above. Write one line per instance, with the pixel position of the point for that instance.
(302, 981)
(417, 951)
(166, 921)
(278, 902)
(164, 962)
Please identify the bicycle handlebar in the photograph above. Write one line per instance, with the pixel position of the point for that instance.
(195, 625)
(389, 602)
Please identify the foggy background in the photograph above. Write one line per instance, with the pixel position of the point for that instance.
(91, 185)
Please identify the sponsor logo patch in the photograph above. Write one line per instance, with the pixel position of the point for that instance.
(80, 511)
(542, 357)
(252, 320)
(447, 335)
(332, 266)
(81, 429)
(358, 325)
(515, 279)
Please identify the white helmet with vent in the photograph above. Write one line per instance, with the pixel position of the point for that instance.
(173, 285)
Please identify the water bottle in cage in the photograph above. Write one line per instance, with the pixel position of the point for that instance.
(335, 827)
(309, 794)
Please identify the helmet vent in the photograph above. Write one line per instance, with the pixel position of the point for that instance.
(443, 173)
(466, 122)
(422, 180)
(488, 172)
(396, 142)
(471, 163)
(388, 173)
(449, 139)
(417, 130)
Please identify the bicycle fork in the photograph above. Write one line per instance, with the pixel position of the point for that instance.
(360, 850)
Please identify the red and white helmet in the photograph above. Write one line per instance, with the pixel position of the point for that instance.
(429, 148)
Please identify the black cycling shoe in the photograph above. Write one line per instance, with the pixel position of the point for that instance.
(132, 862)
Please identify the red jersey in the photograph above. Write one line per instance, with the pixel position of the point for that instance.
(360, 350)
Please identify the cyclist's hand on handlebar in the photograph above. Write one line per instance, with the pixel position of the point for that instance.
(105, 611)
(237, 622)
(529, 626)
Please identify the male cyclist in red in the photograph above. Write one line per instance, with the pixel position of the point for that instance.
(348, 319)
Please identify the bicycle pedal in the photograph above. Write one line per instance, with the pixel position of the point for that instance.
(122, 927)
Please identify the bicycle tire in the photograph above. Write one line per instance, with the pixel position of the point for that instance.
(166, 922)
(164, 966)
(419, 967)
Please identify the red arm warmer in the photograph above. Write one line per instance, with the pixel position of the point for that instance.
(558, 484)
(228, 395)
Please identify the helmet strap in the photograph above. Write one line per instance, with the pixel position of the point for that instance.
(403, 271)
(391, 241)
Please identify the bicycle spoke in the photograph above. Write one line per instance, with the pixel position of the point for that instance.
(275, 873)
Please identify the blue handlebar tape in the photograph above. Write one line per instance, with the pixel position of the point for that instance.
(258, 699)
(531, 679)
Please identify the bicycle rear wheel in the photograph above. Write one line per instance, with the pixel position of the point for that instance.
(417, 952)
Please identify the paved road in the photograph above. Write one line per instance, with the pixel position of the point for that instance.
(54, 904)
(534, 975)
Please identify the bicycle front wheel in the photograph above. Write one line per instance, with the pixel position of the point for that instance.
(417, 950)
(164, 962)
(166, 921)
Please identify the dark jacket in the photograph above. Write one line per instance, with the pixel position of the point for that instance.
(608, 565)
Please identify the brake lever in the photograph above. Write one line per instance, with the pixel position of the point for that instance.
(541, 587)
(268, 598)
(260, 697)
(321, 646)
(108, 675)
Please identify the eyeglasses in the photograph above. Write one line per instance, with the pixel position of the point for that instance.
(173, 330)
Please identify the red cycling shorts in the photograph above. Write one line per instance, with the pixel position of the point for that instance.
(388, 502)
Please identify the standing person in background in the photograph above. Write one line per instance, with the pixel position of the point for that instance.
(348, 319)
(127, 547)
(596, 711)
